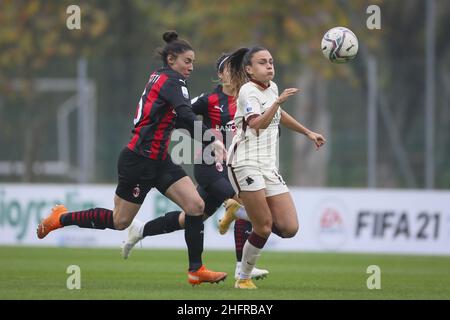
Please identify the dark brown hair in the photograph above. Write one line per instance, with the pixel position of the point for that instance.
(174, 46)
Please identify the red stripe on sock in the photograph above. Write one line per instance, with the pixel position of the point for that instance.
(102, 216)
(257, 240)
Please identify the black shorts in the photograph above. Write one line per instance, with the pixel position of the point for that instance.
(137, 175)
(214, 186)
(207, 174)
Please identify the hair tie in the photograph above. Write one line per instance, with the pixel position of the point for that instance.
(220, 64)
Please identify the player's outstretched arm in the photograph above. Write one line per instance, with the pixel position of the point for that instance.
(288, 121)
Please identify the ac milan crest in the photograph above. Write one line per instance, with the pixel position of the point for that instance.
(219, 167)
(136, 191)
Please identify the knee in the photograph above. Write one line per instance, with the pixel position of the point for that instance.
(264, 228)
(289, 231)
(121, 223)
(211, 206)
(195, 207)
(265, 232)
(181, 219)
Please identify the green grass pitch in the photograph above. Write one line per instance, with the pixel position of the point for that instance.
(40, 273)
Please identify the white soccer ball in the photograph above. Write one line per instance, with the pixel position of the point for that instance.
(339, 45)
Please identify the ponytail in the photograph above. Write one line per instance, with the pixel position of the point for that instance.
(238, 75)
(238, 60)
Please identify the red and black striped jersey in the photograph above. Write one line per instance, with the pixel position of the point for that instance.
(217, 109)
(164, 95)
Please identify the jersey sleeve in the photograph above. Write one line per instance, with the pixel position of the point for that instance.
(175, 92)
(200, 104)
(249, 101)
(186, 119)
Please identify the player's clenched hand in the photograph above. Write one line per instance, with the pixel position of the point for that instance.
(318, 139)
(220, 153)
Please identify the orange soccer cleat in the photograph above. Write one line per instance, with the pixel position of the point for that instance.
(205, 275)
(51, 222)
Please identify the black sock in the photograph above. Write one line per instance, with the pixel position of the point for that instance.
(96, 218)
(164, 224)
(193, 234)
(242, 229)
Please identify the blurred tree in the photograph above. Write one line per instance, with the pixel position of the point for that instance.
(292, 31)
(402, 86)
(33, 33)
(120, 39)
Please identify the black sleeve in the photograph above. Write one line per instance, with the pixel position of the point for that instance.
(187, 119)
(175, 92)
(199, 107)
(200, 104)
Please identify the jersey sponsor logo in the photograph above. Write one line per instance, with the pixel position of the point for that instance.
(185, 92)
(229, 126)
(219, 108)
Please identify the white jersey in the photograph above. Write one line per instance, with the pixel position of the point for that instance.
(250, 148)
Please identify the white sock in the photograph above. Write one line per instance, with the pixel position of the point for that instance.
(250, 254)
(139, 226)
(242, 214)
(238, 268)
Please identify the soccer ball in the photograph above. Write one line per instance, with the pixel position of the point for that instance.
(339, 45)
